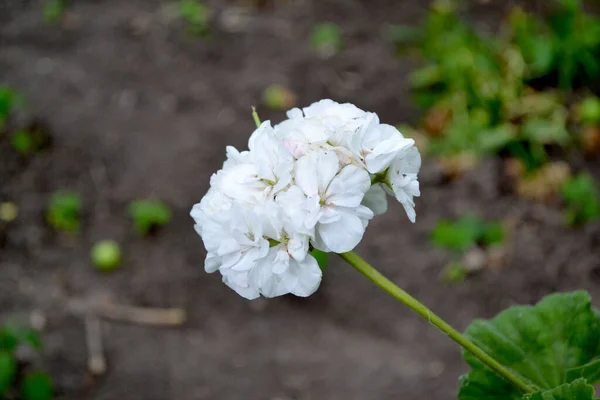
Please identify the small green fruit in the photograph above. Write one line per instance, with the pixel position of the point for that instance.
(106, 255)
(277, 97)
(589, 110)
(8, 211)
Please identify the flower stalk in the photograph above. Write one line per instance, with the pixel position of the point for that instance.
(388, 286)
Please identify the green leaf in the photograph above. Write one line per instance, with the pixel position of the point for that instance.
(542, 52)
(480, 384)
(589, 371)
(22, 142)
(37, 386)
(64, 211)
(196, 14)
(454, 272)
(495, 139)
(322, 258)
(14, 334)
(32, 338)
(494, 234)
(147, 214)
(545, 131)
(582, 199)
(578, 390)
(8, 340)
(458, 236)
(8, 371)
(326, 38)
(539, 344)
(54, 10)
(425, 77)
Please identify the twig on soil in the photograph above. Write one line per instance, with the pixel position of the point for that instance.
(93, 339)
(143, 315)
(94, 308)
(101, 306)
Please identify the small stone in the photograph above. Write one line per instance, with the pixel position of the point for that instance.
(235, 19)
(474, 260)
(37, 320)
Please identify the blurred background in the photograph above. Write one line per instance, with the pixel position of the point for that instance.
(114, 114)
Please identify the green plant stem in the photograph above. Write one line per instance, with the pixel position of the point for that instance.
(376, 277)
(255, 116)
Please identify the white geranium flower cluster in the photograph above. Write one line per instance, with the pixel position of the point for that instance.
(312, 181)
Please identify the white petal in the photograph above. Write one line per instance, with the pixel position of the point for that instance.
(317, 243)
(281, 261)
(294, 113)
(245, 291)
(343, 235)
(315, 171)
(385, 153)
(297, 246)
(328, 215)
(308, 275)
(376, 199)
(297, 208)
(260, 134)
(212, 262)
(402, 176)
(348, 188)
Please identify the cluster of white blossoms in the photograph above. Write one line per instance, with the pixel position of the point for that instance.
(311, 182)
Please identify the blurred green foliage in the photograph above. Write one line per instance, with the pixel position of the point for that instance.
(36, 385)
(326, 39)
(462, 234)
(30, 140)
(582, 203)
(196, 15)
(588, 110)
(454, 272)
(15, 376)
(64, 211)
(54, 10)
(148, 214)
(22, 141)
(9, 100)
(482, 92)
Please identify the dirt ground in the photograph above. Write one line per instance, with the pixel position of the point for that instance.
(137, 108)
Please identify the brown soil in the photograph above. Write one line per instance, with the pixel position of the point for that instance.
(137, 108)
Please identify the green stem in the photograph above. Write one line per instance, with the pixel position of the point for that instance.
(255, 116)
(370, 272)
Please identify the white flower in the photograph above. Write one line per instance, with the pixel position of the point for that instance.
(328, 199)
(313, 181)
(300, 136)
(376, 145)
(402, 179)
(333, 114)
(274, 162)
(234, 242)
(257, 253)
(289, 275)
(254, 176)
(288, 268)
(338, 120)
(213, 202)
